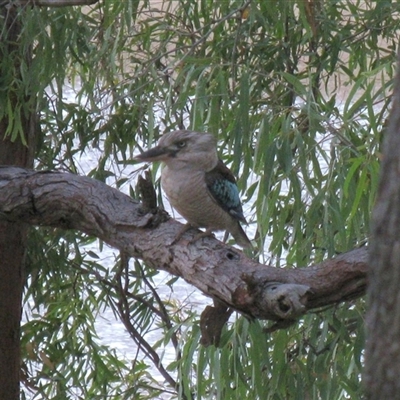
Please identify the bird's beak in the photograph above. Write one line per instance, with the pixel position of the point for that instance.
(155, 154)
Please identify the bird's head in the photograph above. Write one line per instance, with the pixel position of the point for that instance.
(184, 149)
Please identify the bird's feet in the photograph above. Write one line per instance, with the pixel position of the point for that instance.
(178, 237)
(185, 228)
(207, 232)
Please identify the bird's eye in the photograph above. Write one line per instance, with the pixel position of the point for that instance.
(181, 144)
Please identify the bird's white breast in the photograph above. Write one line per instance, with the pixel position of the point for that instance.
(188, 194)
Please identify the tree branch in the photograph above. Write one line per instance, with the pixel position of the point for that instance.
(69, 201)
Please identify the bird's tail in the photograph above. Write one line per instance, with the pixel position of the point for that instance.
(240, 237)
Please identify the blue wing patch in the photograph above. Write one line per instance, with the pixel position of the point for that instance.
(222, 186)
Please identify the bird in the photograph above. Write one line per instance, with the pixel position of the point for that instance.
(198, 184)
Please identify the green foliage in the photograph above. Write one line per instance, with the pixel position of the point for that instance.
(319, 358)
(297, 94)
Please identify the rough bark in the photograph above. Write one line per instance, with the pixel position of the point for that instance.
(12, 235)
(220, 271)
(383, 317)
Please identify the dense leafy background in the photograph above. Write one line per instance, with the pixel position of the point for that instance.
(297, 93)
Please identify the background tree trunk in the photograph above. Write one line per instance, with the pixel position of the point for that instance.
(383, 323)
(13, 235)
